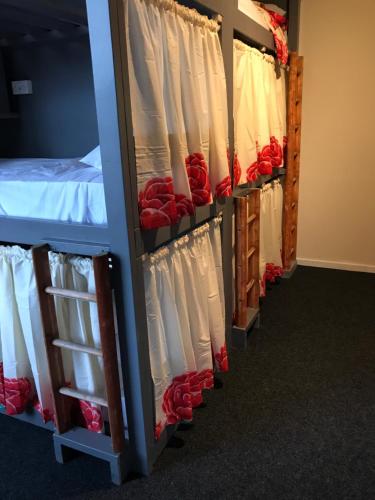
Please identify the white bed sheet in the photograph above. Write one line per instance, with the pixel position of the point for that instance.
(54, 189)
(251, 10)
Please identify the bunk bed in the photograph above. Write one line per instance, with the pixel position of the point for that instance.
(119, 233)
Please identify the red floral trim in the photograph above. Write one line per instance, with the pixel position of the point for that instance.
(184, 394)
(18, 393)
(92, 416)
(177, 404)
(195, 389)
(197, 171)
(273, 272)
(158, 430)
(206, 378)
(277, 20)
(224, 188)
(2, 390)
(184, 206)
(236, 170)
(221, 360)
(157, 203)
(281, 49)
(47, 415)
(276, 152)
(252, 172)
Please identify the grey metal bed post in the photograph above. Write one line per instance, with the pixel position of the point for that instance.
(294, 8)
(226, 34)
(116, 138)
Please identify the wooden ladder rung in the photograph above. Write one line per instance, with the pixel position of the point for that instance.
(70, 294)
(72, 346)
(251, 218)
(73, 393)
(251, 252)
(250, 285)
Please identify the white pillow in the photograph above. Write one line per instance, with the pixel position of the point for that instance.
(94, 158)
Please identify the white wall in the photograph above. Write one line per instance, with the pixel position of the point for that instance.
(337, 188)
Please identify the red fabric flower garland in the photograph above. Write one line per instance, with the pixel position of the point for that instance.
(17, 394)
(270, 156)
(185, 392)
(159, 205)
(2, 391)
(199, 182)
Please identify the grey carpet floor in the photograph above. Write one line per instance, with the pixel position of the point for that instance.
(295, 419)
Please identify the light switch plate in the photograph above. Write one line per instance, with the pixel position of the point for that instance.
(22, 87)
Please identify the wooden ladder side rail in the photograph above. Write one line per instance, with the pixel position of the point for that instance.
(247, 255)
(241, 264)
(254, 209)
(294, 116)
(51, 333)
(109, 350)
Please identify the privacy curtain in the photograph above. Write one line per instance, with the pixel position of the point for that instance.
(270, 237)
(259, 114)
(179, 109)
(276, 21)
(24, 378)
(186, 322)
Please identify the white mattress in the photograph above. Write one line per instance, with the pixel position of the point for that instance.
(60, 190)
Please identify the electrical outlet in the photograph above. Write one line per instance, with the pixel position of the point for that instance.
(22, 87)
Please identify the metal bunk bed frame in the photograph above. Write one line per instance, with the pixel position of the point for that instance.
(122, 236)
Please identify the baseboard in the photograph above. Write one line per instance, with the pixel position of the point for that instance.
(345, 266)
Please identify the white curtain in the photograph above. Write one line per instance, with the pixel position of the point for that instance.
(179, 109)
(270, 237)
(259, 114)
(25, 378)
(186, 322)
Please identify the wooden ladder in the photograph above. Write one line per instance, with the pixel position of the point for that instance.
(61, 394)
(247, 209)
(290, 215)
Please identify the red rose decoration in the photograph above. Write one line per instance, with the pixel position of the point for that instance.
(281, 50)
(195, 389)
(224, 188)
(236, 170)
(157, 204)
(221, 360)
(177, 403)
(46, 414)
(17, 394)
(276, 152)
(157, 431)
(197, 171)
(277, 20)
(92, 415)
(206, 378)
(265, 161)
(252, 172)
(184, 205)
(2, 392)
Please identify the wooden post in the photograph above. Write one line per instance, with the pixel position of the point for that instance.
(290, 213)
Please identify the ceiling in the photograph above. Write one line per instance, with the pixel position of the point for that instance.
(28, 21)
